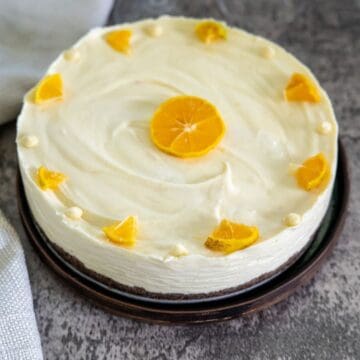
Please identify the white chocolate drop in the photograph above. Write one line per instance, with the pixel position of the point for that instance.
(292, 219)
(179, 250)
(74, 213)
(71, 55)
(154, 30)
(29, 141)
(324, 128)
(268, 52)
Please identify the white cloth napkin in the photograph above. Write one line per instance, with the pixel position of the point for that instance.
(32, 33)
(19, 337)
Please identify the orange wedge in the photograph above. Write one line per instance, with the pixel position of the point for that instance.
(122, 232)
(186, 126)
(313, 173)
(49, 180)
(301, 88)
(210, 31)
(49, 88)
(229, 237)
(119, 40)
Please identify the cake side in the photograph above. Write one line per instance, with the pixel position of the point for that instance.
(107, 281)
(188, 275)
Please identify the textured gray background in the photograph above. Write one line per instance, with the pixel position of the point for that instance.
(322, 319)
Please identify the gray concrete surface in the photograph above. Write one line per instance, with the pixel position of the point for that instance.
(322, 319)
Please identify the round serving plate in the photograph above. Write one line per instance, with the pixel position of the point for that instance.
(217, 308)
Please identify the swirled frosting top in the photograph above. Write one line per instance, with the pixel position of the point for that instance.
(98, 135)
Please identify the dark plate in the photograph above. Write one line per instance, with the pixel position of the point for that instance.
(217, 308)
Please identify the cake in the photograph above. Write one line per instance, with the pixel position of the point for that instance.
(177, 157)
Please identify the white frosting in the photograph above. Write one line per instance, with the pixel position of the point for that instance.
(99, 137)
(71, 55)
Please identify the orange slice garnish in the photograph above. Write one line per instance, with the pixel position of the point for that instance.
(229, 237)
(301, 88)
(122, 232)
(210, 31)
(313, 173)
(119, 40)
(49, 88)
(186, 126)
(49, 180)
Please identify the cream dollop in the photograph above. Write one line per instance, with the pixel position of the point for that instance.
(268, 52)
(74, 213)
(179, 250)
(292, 219)
(154, 30)
(29, 141)
(324, 128)
(71, 55)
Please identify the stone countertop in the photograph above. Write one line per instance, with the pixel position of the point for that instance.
(322, 319)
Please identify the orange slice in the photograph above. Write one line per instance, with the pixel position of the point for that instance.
(119, 40)
(229, 237)
(49, 180)
(49, 88)
(122, 232)
(313, 173)
(210, 31)
(301, 88)
(186, 126)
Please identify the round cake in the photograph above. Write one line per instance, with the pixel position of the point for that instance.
(177, 156)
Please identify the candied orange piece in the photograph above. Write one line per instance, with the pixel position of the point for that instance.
(313, 173)
(49, 88)
(119, 40)
(301, 88)
(48, 179)
(210, 31)
(229, 237)
(122, 232)
(186, 126)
